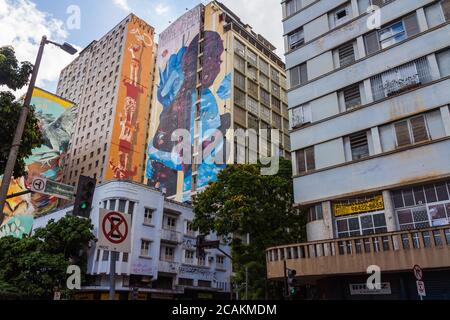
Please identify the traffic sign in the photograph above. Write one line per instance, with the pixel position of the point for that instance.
(418, 272)
(421, 288)
(114, 233)
(52, 188)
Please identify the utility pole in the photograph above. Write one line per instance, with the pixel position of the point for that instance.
(9, 169)
(286, 289)
(112, 275)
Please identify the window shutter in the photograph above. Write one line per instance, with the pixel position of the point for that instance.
(300, 158)
(419, 129)
(402, 133)
(352, 96)
(359, 145)
(411, 25)
(310, 160)
(295, 76)
(303, 73)
(378, 3)
(346, 54)
(446, 9)
(372, 43)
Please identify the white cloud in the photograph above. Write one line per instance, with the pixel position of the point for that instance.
(162, 9)
(23, 26)
(122, 4)
(265, 18)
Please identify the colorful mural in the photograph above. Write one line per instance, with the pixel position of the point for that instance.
(132, 111)
(57, 118)
(177, 95)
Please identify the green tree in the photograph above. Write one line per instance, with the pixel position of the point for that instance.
(15, 76)
(243, 202)
(30, 268)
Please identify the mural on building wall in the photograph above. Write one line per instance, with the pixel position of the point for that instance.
(176, 97)
(56, 120)
(127, 148)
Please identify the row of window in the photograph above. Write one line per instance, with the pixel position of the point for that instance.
(374, 41)
(357, 146)
(387, 84)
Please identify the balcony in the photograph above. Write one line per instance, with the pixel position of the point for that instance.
(396, 251)
(168, 267)
(171, 236)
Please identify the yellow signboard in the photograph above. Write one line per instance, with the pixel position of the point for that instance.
(344, 209)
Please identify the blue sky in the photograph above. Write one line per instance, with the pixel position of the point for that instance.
(23, 22)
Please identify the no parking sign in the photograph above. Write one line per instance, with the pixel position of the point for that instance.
(114, 231)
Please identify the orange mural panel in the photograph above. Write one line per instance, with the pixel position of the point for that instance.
(126, 156)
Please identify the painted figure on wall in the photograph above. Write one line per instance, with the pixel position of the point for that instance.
(124, 169)
(177, 93)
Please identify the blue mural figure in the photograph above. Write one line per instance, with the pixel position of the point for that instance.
(178, 95)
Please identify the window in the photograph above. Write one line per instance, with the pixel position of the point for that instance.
(239, 48)
(252, 73)
(299, 75)
(220, 261)
(415, 218)
(434, 14)
(148, 215)
(305, 160)
(170, 223)
(252, 88)
(300, 116)
(239, 97)
(443, 59)
(204, 284)
(252, 105)
(201, 261)
(363, 224)
(315, 213)
(352, 96)
(105, 256)
(359, 145)
(240, 116)
(340, 16)
(275, 75)
(292, 6)
(276, 90)
(264, 82)
(265, 97)
(410, 131)
(264, 67)
(239, 80)
(189, 257)
(185, 282)
(296, 39)
(167, 253)
(346, 54)
(400, 79)
(145, 248)
(392, 34)
(190, 228)
(252, 58)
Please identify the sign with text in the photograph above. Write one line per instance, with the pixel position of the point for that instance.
(421, 288)
(114, 231)
(52, 188)
(374, 204)
(362, 289)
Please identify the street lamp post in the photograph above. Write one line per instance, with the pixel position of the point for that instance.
(9, 169)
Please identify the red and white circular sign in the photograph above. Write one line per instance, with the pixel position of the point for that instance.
(115, 227)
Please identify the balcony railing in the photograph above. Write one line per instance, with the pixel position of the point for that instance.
(171, 236)
(429, 248)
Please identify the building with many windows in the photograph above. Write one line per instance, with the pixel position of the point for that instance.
(111, 82)
(214, 74)
(163, 262)
(370, 139)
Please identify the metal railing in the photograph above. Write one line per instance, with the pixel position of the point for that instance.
(400, 79)
(377, 243)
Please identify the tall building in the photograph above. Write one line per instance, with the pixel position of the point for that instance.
(214, 73)
(111, 82)
(162, 262)
(369, 108)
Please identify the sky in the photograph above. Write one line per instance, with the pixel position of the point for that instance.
(23, 22)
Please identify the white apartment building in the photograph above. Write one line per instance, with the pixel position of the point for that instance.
(370, 138)
(162, 263)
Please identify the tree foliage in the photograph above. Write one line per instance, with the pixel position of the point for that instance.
(12, 73)
(15, 77)
(243, 202)
(30, 268)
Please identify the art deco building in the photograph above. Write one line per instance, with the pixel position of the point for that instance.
(370, 137)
